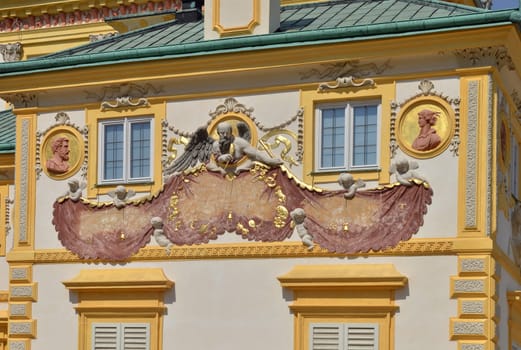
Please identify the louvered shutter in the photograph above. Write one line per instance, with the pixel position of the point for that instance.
(105, 336)
(326, 336)
(343, 336)
(135, 336)
(120, 336)
(361, 337)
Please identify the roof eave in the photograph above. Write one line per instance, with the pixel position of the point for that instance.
(249, 43)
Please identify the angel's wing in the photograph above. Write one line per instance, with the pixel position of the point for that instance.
(198, 150)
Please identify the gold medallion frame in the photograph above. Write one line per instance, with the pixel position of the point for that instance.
(234, 119)
(408, 129)
(76, 147)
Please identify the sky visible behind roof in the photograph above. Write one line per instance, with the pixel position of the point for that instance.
(505, 4)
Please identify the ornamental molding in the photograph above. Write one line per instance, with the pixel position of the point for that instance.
(472, 328)
(471, 157)
(472, 265)
(475, 55)
(251, 250)
(345, 82)
(21, 19)
(128, 95)
(469, 307)
(17, 310)
(24, 184)
(349, 68)
(472, 346)
(20, 274)
(18, 344)
(469, 286)
(22, 100)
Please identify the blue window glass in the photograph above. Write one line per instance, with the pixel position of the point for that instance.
(333, 138)
(348, 136)
(126, 151)
(140, 150)
(364, 142)
(113, 152)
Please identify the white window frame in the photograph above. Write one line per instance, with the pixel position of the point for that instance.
(117, 340)
(348, 132)
(126, 122)
(344, 341)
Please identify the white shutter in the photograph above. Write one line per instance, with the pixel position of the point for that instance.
(343, 336)
(136, 336)
(105, 336)
(361, 336)
(326, 336)
(120, 336)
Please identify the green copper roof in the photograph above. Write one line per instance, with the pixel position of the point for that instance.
(7, 131)
(305, 24)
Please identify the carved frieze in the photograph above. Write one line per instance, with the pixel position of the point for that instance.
(128, 95)
(499, 55)
(350, 68)
(80, 14)
(22, 100)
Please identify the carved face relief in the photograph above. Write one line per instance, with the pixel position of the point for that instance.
(425, 127)
(62, 152)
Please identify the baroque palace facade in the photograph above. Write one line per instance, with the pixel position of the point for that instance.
(260, 174)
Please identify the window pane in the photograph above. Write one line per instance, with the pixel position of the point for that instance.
(333, 137)
(364, 141)
(113, 152)
(140, 150)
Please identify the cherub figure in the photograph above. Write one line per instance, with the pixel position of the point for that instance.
(347, 181)
(230, 148)
(75, 189)
(299, 215)
(404, 170)
(121, 195)
(159, 235)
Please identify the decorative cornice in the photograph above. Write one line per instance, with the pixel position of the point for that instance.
(68, 13)
(415, 247)
(22, 100)
(498, 53)
(352, 68)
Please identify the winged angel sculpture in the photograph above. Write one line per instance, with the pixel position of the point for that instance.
(258, 198)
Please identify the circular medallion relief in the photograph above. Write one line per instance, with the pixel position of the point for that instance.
(241, 127)
(425, 127)
(62, 152)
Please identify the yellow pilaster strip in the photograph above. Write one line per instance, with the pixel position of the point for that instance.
(25, 183)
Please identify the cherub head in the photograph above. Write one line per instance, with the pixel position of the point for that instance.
(298, 215)
(346, 180)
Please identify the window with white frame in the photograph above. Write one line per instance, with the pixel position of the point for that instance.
(120, 336)
(125, 150)
(343, 336)
(348, 136)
